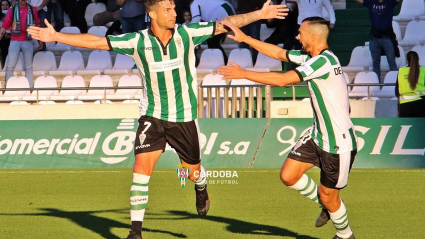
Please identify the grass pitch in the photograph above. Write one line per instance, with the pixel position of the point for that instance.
(382, 203)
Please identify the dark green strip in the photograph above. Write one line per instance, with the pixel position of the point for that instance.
(162, 87)
(308, 184)
(326, 118)
(228, 9)
(148, 78)
(138, 206)
(140, 184)
(139, 193)
(353, 139)
(330, 58)
(177, 83)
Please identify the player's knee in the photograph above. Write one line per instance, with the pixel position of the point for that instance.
(287, 178)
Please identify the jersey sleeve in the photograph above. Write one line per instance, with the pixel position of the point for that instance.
(315, 68)
(297, 57)
(200, 32)
(123, 44)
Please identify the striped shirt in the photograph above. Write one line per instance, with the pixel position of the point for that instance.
(170, 84)
(332, 130)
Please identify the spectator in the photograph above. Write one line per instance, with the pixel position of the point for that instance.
(21, 41)
(112, 13)
(181, 5)
(382, 37)
(41, 6)
(54, 7)
(132, 15)
(252, 29)
(410, 87)
(76, 10)
(207, 10)
(5, 41)
(285, 29)
(312, 8)
(187, 16)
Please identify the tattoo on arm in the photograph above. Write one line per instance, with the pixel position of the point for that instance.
(237, 20)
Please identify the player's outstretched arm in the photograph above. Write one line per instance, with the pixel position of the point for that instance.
(49, 34)
(234, 71)
(267, 12)
(267, 49)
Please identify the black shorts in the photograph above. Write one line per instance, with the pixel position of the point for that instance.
(334, 168)
(153, 134)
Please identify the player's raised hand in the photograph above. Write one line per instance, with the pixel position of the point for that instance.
(234, 71)
(239, 35)
(43, 34)
(273, 11)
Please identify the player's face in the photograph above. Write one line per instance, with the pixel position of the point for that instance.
(304, 37)
(187, 16)
(166, 14)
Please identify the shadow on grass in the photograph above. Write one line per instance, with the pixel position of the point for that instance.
(86, 219)
(243, 227)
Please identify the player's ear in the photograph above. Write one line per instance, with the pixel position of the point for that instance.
(152, 14)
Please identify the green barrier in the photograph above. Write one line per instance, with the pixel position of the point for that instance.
(225, 143)
(109, 143)
(382, 142)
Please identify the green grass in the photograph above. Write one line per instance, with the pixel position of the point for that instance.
(94, 204)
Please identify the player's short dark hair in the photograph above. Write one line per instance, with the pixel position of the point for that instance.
(150, 3)
(316, 20)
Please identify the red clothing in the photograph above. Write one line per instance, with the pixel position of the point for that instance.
(7, 23)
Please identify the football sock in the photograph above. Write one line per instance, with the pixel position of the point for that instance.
(307, 187)
(201, 183)
(138, 198)
(340, 221)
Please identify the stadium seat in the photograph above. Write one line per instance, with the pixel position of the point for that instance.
(70, 82)
(363, 77)
(266, 64)
(70, 63)
(43, 62)
(123, 65)
(387, 91)
(60, 47)
(42, 82)
(126, 80)
(97, 94)
(98, 30)
(242, 57)
(98, 61)
(93, 9)
(420, 49)
(213, 80)
(413, 36)
(410, 10)
(15, 82)
(397, 31)
(265, 32)
(210, 61)
(360, 59)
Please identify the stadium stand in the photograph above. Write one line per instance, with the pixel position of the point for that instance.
(43, 62)
(42, 95)
(213, 95)
(96, 94)
(360, 60)
(70, 63)
(387, 91)
(413, 36)
(364, 77)
(98, 61)
(58, 48)
(266, 64)
(126, 94)
(69, 82)
(242, 57)
(123, 64)
(16, 82)
(19, 68)
(420, 49)
(210, 60)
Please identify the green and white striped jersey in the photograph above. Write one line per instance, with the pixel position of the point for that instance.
(170, 85)
(332, 130)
